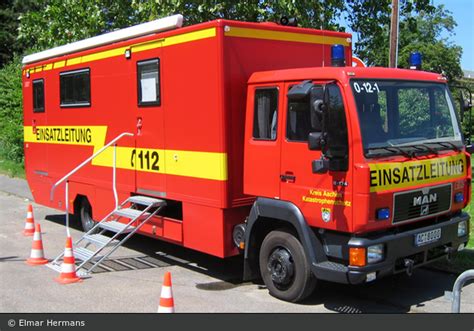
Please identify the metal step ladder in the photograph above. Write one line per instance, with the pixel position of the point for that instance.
(138, 209)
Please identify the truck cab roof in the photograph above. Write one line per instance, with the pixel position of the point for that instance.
(342, 74)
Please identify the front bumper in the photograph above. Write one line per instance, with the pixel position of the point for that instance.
(399, 247)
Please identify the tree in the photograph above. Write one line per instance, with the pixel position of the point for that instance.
(10, 11)
(11, 112)
(310, 13)
(65, 21)
(424, 34)
(422, 26)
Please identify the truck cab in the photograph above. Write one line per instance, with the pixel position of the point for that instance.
(359, 173)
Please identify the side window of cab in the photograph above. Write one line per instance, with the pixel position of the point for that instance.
(265, 114)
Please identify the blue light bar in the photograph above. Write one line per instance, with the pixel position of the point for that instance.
(338, 57)
(415, 60)
(383, 213)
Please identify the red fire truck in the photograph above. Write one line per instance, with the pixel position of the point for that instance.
(231, 138)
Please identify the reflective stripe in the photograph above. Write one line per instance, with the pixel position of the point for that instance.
(36, 253)
(166, 292)
(68, 268)
(165, 309)
(135, 48)
(285, 36)
(196, 164)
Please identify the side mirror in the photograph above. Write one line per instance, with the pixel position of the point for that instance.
(300, 91)
(465, 106)
(319, 107)
(465, 111)
(315, 141)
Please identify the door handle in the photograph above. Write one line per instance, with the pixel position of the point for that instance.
(33, 126)
(288, 177)
(139, 125)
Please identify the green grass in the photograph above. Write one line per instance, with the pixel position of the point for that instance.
(11, 168)
(470, 210)
(463, 260)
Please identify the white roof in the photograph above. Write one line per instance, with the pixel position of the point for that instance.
(162, 24)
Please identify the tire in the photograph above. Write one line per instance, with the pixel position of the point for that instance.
(284, 267)
(85, 215)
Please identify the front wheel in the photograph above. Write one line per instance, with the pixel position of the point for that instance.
(284, 267)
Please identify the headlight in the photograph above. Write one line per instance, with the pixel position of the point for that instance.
(462, 228)
(375, 253)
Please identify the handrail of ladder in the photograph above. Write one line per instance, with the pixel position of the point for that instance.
(72, 172)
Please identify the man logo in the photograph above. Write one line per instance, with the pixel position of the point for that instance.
(424, 210)
(425, 199)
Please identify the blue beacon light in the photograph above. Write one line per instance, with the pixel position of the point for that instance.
(415, 60)
(338, 58)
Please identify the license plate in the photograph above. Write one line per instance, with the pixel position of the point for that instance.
(427, 237)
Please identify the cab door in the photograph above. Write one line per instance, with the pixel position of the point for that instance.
(263, 141)
(148, 155)
(323, 198)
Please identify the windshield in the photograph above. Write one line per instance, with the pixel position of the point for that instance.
(396, 116)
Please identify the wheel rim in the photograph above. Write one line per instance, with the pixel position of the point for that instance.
(281, 268)
(86, 217)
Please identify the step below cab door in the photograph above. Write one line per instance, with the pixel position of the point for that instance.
(324, 197)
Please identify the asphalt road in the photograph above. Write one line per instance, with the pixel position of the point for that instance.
(131, 281)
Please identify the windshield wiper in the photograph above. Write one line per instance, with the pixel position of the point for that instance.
(425, 148)
(445, 144)
(391, 149)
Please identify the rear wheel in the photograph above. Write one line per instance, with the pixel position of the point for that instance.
(85, 214)
(284, 267)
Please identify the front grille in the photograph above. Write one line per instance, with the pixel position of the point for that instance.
(421, 203)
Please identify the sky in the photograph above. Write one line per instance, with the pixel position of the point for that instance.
(463, 34)
(463, 13)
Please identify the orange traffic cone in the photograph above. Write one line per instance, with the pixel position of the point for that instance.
(68, 268)
(166, 299)
(37, 254)
(30, 222)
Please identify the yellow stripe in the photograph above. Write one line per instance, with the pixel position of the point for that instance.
(190, 36)
(203, 165)
(285, 36)
(73, 61)
(139, 47)
(67, 135)
(194, 164)
(59, 64)
(396, 175)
